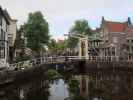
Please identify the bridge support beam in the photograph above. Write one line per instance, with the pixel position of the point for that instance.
(80, 49)
(86, 47)
(84, 83)
(83, 47)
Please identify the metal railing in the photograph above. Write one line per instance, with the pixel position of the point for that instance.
(37, 62)
(60, 59)
(96, 58)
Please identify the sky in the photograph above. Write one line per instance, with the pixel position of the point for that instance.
(61, 14)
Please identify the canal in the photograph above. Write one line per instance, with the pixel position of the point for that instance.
(71, 86)
(37, 90)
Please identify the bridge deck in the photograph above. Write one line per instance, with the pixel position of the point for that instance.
(89, 65)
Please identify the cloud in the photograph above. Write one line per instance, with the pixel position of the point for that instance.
(62, 13)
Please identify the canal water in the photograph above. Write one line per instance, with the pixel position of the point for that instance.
(90, 87)
(58, 90)
(36, 90)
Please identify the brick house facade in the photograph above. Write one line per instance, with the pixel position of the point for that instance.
(4, 25)
(12, 31)
(117, 38)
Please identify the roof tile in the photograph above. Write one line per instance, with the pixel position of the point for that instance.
(116, 26)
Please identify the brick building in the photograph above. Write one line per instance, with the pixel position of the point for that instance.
(12, 31)
(4, 25)
(117, 38)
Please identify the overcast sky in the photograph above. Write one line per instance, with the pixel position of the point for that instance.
(61, 14)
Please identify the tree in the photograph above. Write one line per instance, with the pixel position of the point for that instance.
(52, 46)
(19, 42)
(74, 89)
(36, 30)
(52, 74)
(80, 27)
(61, 45)
(56, 47)
(73, 86)
(20, 46)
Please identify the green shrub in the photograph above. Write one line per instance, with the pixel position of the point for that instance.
(51, 73)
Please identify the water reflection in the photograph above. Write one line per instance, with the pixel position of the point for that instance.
(36, 90)
(109, 87)
(92, 87)
(58, 90)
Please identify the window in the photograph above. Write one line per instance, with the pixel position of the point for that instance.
(128, 41)
(6, 27)
(127, 48)
(2, 49)
(2, 53)
(113, 51)
(2, 36)
(106, 41)
(132, 41)
(115, 39)
(97, 43)
(0, 20)
(2, 44)
(132, 48)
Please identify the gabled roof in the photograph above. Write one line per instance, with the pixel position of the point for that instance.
(8, 16)
(3, 13)
(116, 26)
(129, 29)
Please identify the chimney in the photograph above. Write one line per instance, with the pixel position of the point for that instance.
(129, 21)
(103, 20)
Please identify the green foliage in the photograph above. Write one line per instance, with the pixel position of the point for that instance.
(19, 42)
(73, 86)
(78, 98)
(38, 94)
(74, 89)
(80, 27)
(36, 30)
(56, 47)
(52, 46)
(61, 46)
(92, 88)
(71, 42)
(51, 73)
(20, 45)
(22, 57)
